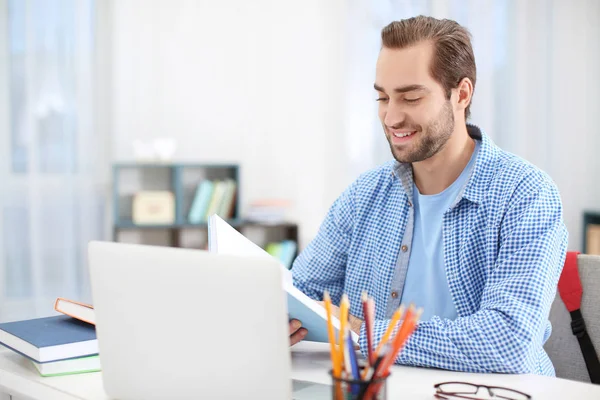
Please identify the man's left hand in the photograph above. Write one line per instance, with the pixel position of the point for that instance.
(355, 323)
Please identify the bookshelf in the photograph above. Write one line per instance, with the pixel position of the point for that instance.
(181, 181)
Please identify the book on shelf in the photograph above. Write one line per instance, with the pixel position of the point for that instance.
(224, 239)
(213, 197)
(50, 339)
(593, 239)
(201, 201)
(285, 251)
(82, 311)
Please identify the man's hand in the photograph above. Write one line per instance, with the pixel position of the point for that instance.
(297, 333)
(355, 323)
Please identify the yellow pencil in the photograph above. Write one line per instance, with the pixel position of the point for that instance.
(334, 353)
(344, 305)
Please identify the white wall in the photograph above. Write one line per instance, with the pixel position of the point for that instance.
(254, 82)
(265, 83)
(537, 91)
(574, 137)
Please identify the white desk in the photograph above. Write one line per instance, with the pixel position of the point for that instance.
(310, 363)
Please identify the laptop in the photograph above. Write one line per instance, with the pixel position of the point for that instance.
(177, 323)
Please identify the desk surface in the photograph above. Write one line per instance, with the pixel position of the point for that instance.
(310, 363)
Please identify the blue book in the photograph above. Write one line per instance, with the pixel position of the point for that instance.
(50, 339)
(288, 251)
(200, 204)
(224, 239)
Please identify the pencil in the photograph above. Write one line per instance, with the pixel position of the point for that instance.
(368, 314)
(347, 350)
(335, 356)
(330, 332)
(389, 330)
(353, 362)
(343, 322)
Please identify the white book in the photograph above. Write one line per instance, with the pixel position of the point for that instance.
(224, 239)
(81, 311)
(68, 367)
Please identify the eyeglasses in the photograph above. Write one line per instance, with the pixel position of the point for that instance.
(465, 390)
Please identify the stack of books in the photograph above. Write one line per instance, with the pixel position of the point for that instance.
(268, 211)
(57, 345)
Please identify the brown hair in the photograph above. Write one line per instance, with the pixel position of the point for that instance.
(453, 57)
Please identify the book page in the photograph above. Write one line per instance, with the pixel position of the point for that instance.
(225, 239)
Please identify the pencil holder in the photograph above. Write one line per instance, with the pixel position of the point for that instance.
(348, 388)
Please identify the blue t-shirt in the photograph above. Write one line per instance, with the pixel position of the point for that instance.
(426, 284)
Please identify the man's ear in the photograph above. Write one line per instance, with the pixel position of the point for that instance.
(464, 91)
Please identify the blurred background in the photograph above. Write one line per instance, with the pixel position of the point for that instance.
(131, 120)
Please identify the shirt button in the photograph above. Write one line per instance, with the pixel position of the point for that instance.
(409, 204)
(394, 294)
(404, 248)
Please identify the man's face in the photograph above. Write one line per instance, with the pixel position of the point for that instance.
(416, 116)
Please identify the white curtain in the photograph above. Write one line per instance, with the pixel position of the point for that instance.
(537, 93)
(53, 161)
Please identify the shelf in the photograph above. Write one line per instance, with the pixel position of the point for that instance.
(270, 224)
(172, 165)
(131, 225)
(183, 179)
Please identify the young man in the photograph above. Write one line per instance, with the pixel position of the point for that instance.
(455, 225)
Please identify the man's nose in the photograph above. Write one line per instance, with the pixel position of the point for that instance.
(394, 116)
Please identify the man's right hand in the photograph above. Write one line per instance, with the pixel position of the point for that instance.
(297, 333)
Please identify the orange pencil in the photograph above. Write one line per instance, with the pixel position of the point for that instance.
(389, 330)
(410, 323)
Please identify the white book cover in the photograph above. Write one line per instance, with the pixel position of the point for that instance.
(224, 239)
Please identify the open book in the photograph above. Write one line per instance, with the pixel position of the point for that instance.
(224, 239)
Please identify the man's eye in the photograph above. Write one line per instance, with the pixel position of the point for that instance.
(412, 100)
(382, 99)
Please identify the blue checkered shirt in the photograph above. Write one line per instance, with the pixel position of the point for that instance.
(504, 247)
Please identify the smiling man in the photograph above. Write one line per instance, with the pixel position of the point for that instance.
(453, 224)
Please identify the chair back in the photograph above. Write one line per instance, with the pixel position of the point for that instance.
(562, 346)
